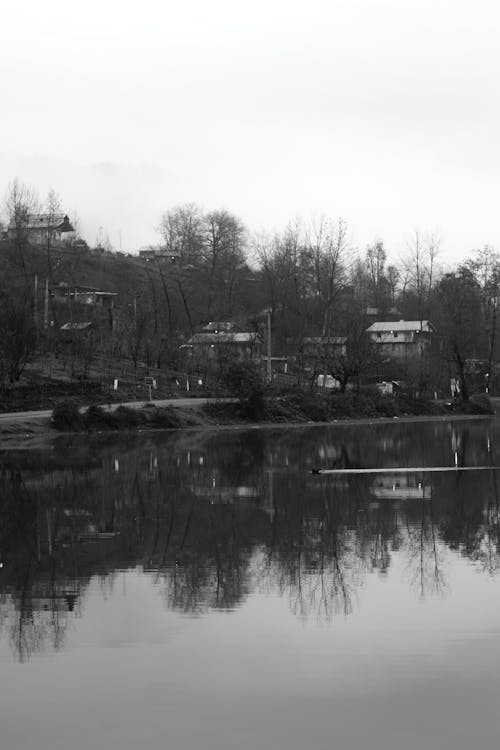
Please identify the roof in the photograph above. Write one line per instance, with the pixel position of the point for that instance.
(47, 221)
(92, 292)
(401, 325)
(377, 311)
(70, 289)
(158, 251)
(324, 340)
(76, 326)
(218, 326)
(223, 338)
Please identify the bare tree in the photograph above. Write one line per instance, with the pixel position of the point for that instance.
(224, 255)
(330, 249)
(21, 203)
(459, 320)
(393, 277)
(419, 267)
(53, 210)
(182, 232)
(485, 266)
(376, 257)
(359, 357)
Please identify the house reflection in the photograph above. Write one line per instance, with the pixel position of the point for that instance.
(64, 601)
(259, 496)
(396, 487)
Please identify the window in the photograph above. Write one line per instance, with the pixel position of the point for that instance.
(395, 334)
(379, 335)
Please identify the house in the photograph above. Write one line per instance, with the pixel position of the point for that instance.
(157, 252)
(401, 339)
(84, 295)
(218, 327)
(210, 348)
(317, 351)
(42, 228)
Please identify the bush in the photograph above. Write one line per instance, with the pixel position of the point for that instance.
(66, 416)
(125, 418)
(479, 403)
(97, 418)
(253, 407)
(419, 406)
(343, 405)
(312, 406)
(387, 406)
(165, 418)
(242, 379)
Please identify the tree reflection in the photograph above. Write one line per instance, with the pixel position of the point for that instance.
(210, 517)
(424, 556)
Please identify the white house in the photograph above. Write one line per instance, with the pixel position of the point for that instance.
(402, 338)
(39, 228)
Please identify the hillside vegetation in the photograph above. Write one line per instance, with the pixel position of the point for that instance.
(310, 295)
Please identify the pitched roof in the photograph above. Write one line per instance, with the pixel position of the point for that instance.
(218, 327)
(45, 221)
(76, 326)
(223, 338)
(63, 286)
(401, 325)
(338, 340)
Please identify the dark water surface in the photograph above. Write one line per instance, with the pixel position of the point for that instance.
(207, 591)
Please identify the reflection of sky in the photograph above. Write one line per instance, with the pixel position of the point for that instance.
(400, 672)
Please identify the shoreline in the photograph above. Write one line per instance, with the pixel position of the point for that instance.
(34, 433)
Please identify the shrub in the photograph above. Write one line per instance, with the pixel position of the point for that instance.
(125, 418)
(387, 406)
(343, 405)
(97, 418)
(66, 416)
(419, 406)
(253, 407)
(242, 379)
(312, 406)
(165, 417)
(479, 403)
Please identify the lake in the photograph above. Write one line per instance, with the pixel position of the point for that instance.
(207, 590)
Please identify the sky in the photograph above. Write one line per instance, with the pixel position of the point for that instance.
(384, 113)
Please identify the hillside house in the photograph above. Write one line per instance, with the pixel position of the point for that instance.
(39, 229)
(158, 253)
(219, 327)
(209, 349)
(84, 295)
(318, 351)
(401, 339)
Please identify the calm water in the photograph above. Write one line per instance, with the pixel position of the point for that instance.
(207, 591)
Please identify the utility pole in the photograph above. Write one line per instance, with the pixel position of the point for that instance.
(35, 309)
(269, 376)
(46, 305)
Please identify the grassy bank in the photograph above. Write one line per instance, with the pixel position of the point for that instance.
(296, 407)
(302, 406)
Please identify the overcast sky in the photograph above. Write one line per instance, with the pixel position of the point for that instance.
(383, 112)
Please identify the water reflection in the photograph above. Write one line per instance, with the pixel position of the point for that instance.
(212, 518)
